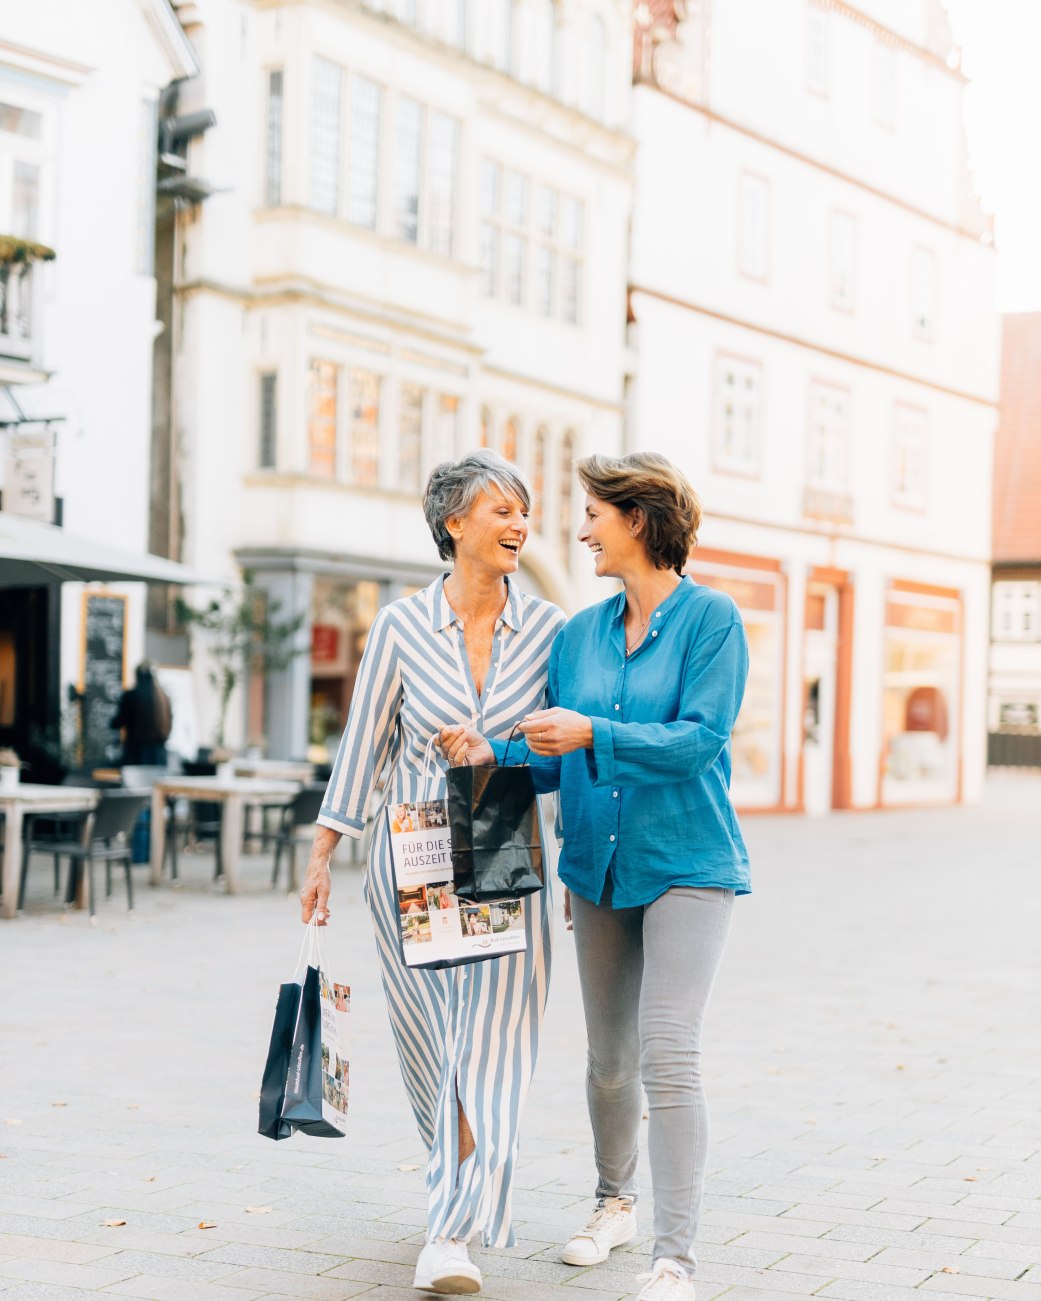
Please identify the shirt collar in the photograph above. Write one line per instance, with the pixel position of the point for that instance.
(685, 584)
(443, 616)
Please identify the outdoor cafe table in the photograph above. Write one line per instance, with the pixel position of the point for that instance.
(279, 770)
(15, 803)
(233, 793)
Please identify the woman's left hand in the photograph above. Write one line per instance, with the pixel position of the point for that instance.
(557, 731)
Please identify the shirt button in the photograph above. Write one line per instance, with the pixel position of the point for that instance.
(615, 794)
(612, 837)
(617, 706)
(657, 614)
(654, 633)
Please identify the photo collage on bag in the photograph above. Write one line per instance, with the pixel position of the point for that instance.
(335, 1004)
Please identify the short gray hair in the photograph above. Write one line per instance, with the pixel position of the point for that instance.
(454, 486)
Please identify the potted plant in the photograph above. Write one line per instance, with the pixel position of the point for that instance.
(10, 768)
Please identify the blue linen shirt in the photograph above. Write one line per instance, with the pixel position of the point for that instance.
(650, 802)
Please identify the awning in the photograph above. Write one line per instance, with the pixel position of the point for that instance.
(33, 554)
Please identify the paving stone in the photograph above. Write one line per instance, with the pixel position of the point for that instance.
(997, 1289)
(270, 1282)
(156, 1287)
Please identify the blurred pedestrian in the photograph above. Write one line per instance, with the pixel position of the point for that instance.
(144, 715)
(471, 645)
(644, 689)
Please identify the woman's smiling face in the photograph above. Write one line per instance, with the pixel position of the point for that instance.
(607, 532)
(493, 533)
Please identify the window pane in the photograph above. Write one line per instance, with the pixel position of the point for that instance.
(509, 440)
(491, 188)
(489, 259)
(547, 218)
(737, 416)
(446, 431)
(572, 220)
(570, 290)
(567, 457)
(410, 437)
(273, 139)
(325, 136)
(21, 121)
(365, 427)
(516, 199)
(363, 173)
(545, 275)
(515, 260)
(267, 456)
(25, 200)
(538, 477)
(407, 156)
(444, 153)
(321, 419)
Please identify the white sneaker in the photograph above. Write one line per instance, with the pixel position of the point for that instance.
(446, 1267)
(667, 1281)
(611, 1224)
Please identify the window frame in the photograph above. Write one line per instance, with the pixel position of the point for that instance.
(273, 177)
(1026, 595)
(747, 267)
(824, 483)
(915, 502)
(267, 378)
(751, 468)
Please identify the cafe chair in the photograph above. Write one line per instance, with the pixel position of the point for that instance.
(107, 841)
(301, 811)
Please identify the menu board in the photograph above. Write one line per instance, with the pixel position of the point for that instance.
(104, 659)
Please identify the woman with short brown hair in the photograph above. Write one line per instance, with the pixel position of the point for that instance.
(644, 689)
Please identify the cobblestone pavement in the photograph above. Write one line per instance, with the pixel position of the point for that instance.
(872, 1056)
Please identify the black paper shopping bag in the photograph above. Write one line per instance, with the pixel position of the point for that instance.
(307, 1085)
(496, 846)
(276, 1068)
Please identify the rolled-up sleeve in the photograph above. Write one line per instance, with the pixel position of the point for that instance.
(636, 754)
(366, 742)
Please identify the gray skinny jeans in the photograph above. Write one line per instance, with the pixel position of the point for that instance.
(646, 976)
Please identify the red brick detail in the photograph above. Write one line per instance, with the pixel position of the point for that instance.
(1017, 447)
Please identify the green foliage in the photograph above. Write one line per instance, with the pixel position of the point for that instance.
(14, 249)
(241, 631)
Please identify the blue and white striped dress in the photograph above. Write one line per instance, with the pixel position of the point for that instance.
(472, 1029)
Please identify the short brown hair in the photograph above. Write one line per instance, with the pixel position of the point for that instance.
(649, 482)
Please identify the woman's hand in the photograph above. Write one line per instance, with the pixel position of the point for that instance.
(462, 743)
(557, 731)
(314, 893)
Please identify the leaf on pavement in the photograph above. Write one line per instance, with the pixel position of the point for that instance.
(59, 1104)
(206, 1224)
(968, 1179)
(951, 1269)
(407, 1168)
(259, 1210)
(113, 1224)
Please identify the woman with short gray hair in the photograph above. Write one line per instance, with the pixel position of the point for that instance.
(471, 645)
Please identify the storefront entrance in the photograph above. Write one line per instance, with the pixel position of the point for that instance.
(820, 677)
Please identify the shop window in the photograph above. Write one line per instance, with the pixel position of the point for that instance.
(410, 437)
(341, 618)
(910, 458)
(753, 226)
(842, 260)
(538, 476)
(756, 739)
(365, 428)
(738, 402)
(923, 293)
(323, 384)
(817, 52)
(273, 135)
(1016, 612)
(920, 696)
(883, 85)
(363, 171)
(566, 495)
(267, 454)
(325, 142)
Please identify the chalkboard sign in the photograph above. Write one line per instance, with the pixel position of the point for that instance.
(104, 633)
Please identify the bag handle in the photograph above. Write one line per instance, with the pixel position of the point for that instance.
(309, 950)
(506, 752)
